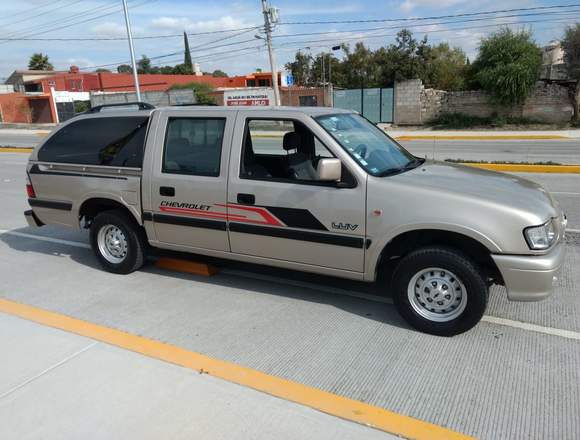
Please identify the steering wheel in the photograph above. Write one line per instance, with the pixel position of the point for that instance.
(361, 150)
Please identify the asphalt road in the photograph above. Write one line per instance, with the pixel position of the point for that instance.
(516, 375)
(561, 151)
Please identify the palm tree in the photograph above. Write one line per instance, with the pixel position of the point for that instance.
(38, 61)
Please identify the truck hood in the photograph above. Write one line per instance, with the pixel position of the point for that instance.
(487, 186)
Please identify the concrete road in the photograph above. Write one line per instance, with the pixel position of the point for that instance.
(20, 138)
(58, 385)
(560, 151)
(514, 376)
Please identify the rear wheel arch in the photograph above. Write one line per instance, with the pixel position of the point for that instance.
(409, 241)
(91, 207)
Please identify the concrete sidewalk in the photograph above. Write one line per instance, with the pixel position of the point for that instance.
(58, 385)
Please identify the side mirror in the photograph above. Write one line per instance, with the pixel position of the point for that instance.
(329, 170)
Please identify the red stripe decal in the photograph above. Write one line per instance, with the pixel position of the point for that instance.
(268, 218)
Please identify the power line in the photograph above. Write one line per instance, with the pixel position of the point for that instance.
(84, 21)
(50, 11)
(471, 14)
(145, 37)
(51, 22)
(435, 23)
(35, 9)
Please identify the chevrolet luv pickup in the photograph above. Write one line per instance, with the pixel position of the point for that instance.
(320, 190)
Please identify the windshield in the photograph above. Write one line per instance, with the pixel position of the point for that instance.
(367, 144)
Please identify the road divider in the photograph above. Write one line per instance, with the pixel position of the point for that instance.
(329, 403)
(526, 168)
(15, 150)
(490, 137)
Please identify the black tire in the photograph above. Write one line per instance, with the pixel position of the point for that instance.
(466, 271)
(136, 244)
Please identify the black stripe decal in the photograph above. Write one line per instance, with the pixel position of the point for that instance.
(63, 206)
(147, 216)
(316, 237)
(297, 218)
(35, 169)
(187, 221)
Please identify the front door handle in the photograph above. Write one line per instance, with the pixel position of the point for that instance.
(167, 191)
(246, 199)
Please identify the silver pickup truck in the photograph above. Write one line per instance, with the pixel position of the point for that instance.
(311, 189)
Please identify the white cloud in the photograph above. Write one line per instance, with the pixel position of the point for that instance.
(185, 24)
(113, 29)
(409, 5)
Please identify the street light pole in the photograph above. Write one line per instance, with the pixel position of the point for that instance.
(268, 11)
(132, 50)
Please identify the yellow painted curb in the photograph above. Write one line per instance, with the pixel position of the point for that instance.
(42, 133)
(491, 137)
(349, 409)
(525, 168)
(15, 150)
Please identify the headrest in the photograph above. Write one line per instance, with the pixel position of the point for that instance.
(291, 141)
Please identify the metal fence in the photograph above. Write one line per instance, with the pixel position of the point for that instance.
(158, 99)
(374, 104)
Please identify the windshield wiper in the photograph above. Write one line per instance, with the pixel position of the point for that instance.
(410, 166)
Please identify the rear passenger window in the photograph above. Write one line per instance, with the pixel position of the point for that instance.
(193, 146)
(114, 141)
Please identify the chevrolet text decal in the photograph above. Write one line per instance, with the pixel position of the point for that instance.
(253, 214)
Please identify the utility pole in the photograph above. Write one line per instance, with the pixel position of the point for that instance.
(132, 50)
(271, 16)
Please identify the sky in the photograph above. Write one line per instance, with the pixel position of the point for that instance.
(222, 33)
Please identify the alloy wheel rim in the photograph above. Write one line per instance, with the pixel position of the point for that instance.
(437, 294)
(112, 244)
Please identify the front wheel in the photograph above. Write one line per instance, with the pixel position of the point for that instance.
(117, 242)
(440, 291)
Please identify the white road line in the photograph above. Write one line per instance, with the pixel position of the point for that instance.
(43, 238)
(564, 193)
(567, 334)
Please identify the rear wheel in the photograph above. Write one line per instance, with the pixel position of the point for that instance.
(440, 291)
(117, 242)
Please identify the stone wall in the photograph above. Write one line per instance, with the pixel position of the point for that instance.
(408, 100)
(415, 105)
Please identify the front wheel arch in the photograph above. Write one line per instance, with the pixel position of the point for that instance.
(407, 242)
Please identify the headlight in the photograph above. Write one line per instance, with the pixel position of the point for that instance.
(541, 237)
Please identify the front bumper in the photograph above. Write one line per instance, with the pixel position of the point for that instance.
(530, 277)
(32, 220)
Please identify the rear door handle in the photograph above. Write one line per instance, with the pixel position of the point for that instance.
(246, 199)
(167, 191)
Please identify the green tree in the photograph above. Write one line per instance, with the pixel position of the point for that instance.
(39, 61)
(202, 91)
(508, 65)
(301, 69)
(124, 68)
(446, 68)
(187, 63)
(102, 70)
(144, 66)
(219, 74)
(571, 46)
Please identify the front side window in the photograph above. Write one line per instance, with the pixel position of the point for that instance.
(281, 150)
(112, 141)
(367, 144)
(193, 146)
